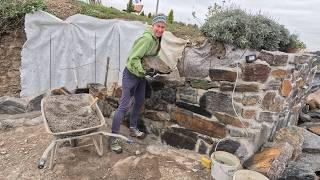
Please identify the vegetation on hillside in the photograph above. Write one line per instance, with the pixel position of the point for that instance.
(235, 26)
(177, 28)
(12, 12)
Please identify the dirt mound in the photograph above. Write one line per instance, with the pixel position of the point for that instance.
(62, 8)
(63, 113)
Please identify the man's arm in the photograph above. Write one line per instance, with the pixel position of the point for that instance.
(139, 50)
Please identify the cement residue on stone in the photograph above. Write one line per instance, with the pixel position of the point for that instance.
(63, 115)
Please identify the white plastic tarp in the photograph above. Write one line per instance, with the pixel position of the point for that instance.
(74, 52)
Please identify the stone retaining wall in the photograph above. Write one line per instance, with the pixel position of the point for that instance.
(269, 95)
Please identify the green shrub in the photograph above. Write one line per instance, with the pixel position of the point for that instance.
(295, 43)
(179, 29)
(244, 30)
(12, 12)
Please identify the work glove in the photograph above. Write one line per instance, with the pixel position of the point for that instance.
(151, 72)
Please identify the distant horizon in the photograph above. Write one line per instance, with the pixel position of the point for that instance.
(298, 16)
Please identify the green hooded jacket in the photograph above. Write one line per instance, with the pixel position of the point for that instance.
(147, 45)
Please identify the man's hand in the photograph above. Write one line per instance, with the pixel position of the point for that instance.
(151, 72)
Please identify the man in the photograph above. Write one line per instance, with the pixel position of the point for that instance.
(133, 80)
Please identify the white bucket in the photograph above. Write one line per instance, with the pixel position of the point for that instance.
(248, 175)
(224, 165)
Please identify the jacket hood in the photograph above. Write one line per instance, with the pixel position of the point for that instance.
(149, 31)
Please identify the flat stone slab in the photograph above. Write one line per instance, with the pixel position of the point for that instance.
(217, 102)
(311, 160)
(274, 58)
(12, 105)
(255, 72)
(157, 115)
(194, 108)
(227, 145)
(156, 63)
(198, 123)
(180, 138)
(298, 171)
(223, 74)
(35, 103)
(315, 129)
(202, 83)
(271, 161)
(311, 142)
(292, 135)
(303, 168)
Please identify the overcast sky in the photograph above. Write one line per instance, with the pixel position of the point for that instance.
(299, 16)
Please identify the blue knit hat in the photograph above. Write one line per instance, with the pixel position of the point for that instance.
(159, 18)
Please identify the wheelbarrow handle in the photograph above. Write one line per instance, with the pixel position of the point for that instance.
(44, 157)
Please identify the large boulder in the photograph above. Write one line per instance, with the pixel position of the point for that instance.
(272, 160)
(12, 105)
(313, 100)
(292, 135)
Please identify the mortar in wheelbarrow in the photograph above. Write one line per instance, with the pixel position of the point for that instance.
(61, 115)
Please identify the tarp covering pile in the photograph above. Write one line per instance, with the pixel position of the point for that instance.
(74, 52)
(197, 60)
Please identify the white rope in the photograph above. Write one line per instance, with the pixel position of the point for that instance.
(232, 102)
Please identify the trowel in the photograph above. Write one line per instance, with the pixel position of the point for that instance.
(86, 110)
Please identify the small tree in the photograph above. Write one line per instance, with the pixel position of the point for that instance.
(170, 17)
(149, 15)
(142, 13)
(295, 42)
(130, 7)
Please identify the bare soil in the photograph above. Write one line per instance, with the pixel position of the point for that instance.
(63, 8)
(20, 149)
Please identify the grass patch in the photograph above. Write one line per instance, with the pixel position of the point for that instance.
(179, 29)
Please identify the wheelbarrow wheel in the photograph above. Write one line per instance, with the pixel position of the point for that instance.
(41, 163)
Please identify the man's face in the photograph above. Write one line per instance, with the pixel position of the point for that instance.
(159, 28)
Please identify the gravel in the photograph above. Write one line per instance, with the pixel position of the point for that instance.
(63, 115)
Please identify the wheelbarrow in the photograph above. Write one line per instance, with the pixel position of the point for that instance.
(75, 135)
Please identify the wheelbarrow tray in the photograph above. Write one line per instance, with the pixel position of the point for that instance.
(77, 132)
